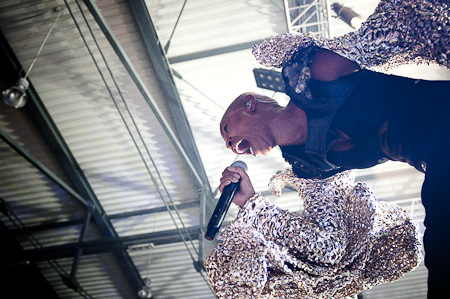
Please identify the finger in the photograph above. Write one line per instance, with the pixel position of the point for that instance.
(232, 176)
(234, 169)
(223, 184)
(225, 180)
(242, 173)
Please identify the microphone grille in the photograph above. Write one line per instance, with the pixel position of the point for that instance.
(240, 164)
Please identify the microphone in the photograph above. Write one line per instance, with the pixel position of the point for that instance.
(222, 205)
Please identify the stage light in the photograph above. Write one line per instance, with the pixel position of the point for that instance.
(16, 95)
(269, 79)
(347, 15)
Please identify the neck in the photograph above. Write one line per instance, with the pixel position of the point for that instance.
(291, 127)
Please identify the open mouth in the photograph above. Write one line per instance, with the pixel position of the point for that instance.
(243, 147)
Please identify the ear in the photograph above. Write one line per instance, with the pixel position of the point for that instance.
(250, 103)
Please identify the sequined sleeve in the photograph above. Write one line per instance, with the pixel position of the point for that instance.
(342, 243)
(297, 233)
(398, 32)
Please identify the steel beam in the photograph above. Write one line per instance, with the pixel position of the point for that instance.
(108, 245)
(74, 222)
(308, 14)
(95, 12)
(214, 52)
(164, 73)
(70, 165)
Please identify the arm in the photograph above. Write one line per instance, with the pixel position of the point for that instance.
(329, 66)
(299, 232)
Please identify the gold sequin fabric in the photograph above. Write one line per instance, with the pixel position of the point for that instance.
(342, 243)
(399, 32)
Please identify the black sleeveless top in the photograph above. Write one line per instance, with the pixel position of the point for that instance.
(385, 116)
(391, 117)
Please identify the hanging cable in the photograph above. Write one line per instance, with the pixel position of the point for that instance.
(116, 105)
(43, 43)
(138, 132)
(166, 47)
(129, 113)
(178, 75)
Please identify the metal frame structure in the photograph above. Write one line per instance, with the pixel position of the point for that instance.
(308, 16)
(82, 192)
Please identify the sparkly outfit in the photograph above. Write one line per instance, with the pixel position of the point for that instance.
(399, 32)
(343, 242)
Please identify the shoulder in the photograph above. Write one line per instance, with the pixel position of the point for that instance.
(329, 66)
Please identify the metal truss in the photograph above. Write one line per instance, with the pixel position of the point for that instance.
(308, 16)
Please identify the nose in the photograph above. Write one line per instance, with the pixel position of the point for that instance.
(229, 143)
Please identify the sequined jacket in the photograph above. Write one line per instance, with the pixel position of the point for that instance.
(342, 243)
(399, 32)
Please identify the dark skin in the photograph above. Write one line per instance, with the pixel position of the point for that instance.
(329, 66)
(245, 190)
(325, 66)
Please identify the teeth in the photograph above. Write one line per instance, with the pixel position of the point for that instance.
(237, 146)
(251, 151)
(244, 150)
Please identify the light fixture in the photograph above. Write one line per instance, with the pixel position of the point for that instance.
(146, 291)
(16, 95)
(347, 15)
(269, 79)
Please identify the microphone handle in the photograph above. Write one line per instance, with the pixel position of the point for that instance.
(221, 210)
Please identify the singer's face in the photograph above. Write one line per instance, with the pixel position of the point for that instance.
(246, 133)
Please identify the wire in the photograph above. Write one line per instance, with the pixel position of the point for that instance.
(138, 132)
(178, 75)
(43, 43)
(166, 47)
(129, 113)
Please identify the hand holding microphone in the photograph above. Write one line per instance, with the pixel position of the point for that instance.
(235, 186)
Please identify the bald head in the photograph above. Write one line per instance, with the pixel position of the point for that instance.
(246, 100)
(245, 126)
(255, 123)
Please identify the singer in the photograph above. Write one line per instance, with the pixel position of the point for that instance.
(345, 114)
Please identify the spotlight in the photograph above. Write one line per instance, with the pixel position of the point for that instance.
(145, 292)
(16, 95)
(347, 15)
(269, 79)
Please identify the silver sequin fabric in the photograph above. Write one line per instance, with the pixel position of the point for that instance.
(342, 243)
(399, 32)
